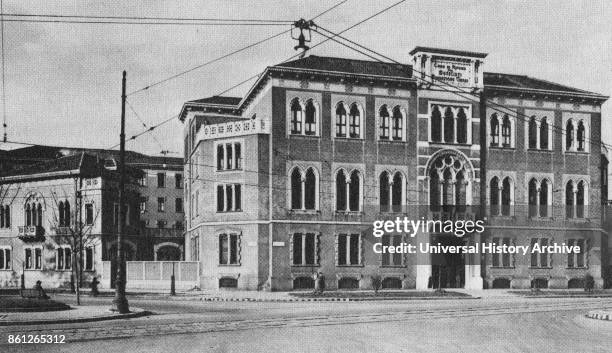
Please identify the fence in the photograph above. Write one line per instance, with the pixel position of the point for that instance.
(156, 274)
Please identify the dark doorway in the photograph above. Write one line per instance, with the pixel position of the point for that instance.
(447, 270)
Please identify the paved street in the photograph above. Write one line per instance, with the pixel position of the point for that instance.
(492, 324)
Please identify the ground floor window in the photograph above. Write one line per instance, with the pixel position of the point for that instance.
(33, 258)
(576, 260)
(348, 249)
(89, 259)
(5, 259)
(64, 258)
(303, 283)
(348, 283)
(228, 249)
(389, 259)
(304, 249)
(228, 282)
(391, 283)
(501, 259)
(539, 259)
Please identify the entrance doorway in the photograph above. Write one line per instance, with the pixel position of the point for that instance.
(447, 270)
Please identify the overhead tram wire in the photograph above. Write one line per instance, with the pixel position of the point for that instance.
(147, 18)
(115, 22)
(455, 89)
(143, 123)
(318, 44)
(228, 55)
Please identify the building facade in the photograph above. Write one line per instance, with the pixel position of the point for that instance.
(60, 219)
(287, 181)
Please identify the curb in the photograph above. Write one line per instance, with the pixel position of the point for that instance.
(600, 315)
(230, 299)
(131, 315)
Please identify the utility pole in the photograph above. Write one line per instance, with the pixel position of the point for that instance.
(120, 300)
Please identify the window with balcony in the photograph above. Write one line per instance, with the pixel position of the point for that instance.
(33, 214)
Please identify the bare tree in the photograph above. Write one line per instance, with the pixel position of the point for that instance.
(73, 229)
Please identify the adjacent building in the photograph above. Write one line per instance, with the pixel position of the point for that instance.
(54, 196)
(286, 181)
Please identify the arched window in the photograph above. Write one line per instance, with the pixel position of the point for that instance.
(494, 130)
(354, 122)
(341, 191)
(569, 199)
(385, 195)
(296, 189)
(447, 189)
(580, 136)
(436, 124)
(506, 196)
(494, 196)
(449, 125)
(462, 126)
(310, 125)
(296, 117)
(533, 198)
(460, 191)
(569, 135)
(533, 133)
(543, 134)
(434, 190)
(506, 132)
(354, 191)
(384, 123)
(397, 192)
(544, 198)
(61, 213)
(398, 123)
(580, 195)
(310, 190)
(340, 120)
(28, 215)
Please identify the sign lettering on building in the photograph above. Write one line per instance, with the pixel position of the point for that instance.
(454, 72)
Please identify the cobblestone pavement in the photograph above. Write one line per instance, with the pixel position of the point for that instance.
(172, 324)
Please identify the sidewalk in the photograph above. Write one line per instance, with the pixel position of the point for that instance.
(76, 314)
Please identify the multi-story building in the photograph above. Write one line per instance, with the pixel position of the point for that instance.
(55, 209)
(160, 218)
(288, 180)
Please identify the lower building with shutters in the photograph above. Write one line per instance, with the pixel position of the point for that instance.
(284, 183)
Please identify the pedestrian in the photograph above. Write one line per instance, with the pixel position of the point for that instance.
(41, 291)
(94, 287)
(319, 283)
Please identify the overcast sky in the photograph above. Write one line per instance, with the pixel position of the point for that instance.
(63, 81)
